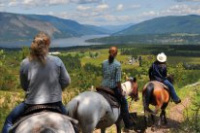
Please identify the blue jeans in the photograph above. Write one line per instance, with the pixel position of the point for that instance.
(124, 107)
(171, 90)
(122, 100)
(19, 110)
(16, 112)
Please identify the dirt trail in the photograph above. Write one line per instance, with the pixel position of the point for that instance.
(174, 118)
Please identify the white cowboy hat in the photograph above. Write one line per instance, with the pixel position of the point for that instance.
(161, 57)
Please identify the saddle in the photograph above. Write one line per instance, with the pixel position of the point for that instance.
(109, 95)
(41, 107)
(34, 109)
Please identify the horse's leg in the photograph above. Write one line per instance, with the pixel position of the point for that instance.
(158, 106)
(87, 125)
(153, 118)
(164, 113)
(118, 126)
(146, 118)
(103, 130)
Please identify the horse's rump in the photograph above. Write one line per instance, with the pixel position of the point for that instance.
(157, 92)
(156, 84)
(108, 94)
(44, 121)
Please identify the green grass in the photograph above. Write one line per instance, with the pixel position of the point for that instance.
(8, 100)
(190, 60)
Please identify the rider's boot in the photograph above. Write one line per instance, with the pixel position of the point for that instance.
(127, 122)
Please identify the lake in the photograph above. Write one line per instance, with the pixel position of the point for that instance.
(64, 42)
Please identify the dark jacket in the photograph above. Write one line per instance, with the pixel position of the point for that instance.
(158, 71)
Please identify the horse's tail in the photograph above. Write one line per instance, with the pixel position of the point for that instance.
(147, 94)
(72, 107)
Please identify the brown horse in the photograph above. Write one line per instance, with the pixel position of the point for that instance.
(155, 93)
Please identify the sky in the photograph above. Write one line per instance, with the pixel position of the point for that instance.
(103, 12)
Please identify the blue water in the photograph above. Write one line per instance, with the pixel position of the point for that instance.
(66, 42)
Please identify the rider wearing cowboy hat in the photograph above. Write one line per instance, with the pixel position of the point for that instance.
(158, 71)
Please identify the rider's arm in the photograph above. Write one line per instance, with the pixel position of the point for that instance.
(150, 72)
(24, 75)
(64, 78)
(118, 78)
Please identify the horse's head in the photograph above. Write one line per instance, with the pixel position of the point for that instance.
(130, 88)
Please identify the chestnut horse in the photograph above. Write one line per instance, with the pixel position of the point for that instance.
(155, 93)
(92, 110)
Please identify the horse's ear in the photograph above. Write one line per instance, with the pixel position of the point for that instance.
(127, 78)
(132, 79)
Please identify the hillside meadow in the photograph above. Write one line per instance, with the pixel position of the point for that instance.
(84, 67)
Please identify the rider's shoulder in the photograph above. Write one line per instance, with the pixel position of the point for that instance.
(117, 62)
(54, 58)
(25, 61)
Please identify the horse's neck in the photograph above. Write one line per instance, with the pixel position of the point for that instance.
(127, 87)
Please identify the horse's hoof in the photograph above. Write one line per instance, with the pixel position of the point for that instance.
(153, 129)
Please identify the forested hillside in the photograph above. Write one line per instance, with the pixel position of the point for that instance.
(84, 67)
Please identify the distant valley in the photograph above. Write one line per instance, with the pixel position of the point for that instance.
(162, 30)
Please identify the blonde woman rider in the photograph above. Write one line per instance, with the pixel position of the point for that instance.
(43, 78)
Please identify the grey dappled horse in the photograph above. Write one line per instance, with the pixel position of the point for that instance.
(92, 110)
(44, 122)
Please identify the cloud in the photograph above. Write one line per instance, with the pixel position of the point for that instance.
(33, 3)
(120, 7)
(83, 8)
(179, 9)
(56, 2)
(182, 9)
(102, 7)
(85, 1)
(149, 14)
(135, 6)
(13, 3)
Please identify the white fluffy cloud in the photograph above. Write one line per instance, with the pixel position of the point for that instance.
(179, 9)
(12, 3)
(120, 7)
(83, 8)
(32, 3)
(85, 1)
(182, 9)
(102, 7)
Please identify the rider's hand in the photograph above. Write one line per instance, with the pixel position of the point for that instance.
(123, 93)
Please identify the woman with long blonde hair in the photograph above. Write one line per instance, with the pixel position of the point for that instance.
(43, 78)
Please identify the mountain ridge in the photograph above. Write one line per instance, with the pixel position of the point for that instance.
(24, 27)
(164, 25)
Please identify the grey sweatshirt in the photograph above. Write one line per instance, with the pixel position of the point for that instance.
(43, 83)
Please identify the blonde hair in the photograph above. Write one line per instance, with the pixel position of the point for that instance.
(40, 47)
